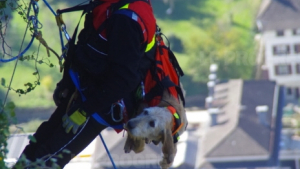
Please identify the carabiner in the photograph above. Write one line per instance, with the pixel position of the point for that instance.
(35, 7)
(143, 89)
(63, 28)
(120, 107)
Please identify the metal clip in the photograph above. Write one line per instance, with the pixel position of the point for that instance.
(59, 20)
(35, 7)
(117, 107)
(143, 89)
(63, 28)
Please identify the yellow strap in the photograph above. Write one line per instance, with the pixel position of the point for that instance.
(125, 6)
(150, 45)
(176, 115)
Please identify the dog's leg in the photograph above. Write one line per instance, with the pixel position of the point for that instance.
(169, 150)
(135, 144)
(128, 144)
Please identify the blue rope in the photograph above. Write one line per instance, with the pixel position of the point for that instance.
(60, 33)
(21, 54)
(111, 159)
(35, 22)
(47, 4)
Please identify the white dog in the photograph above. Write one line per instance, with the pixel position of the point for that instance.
(162, 123)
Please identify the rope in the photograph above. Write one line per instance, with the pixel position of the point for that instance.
(15, 67)
(20, 53)
(35, 22)
(107, 151)
(48, 5)
(63, 48)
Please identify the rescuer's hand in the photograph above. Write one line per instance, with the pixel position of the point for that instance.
(74, 119)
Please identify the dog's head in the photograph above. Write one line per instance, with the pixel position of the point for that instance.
(150, 124)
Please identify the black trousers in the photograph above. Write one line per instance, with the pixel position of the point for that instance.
(51, 139)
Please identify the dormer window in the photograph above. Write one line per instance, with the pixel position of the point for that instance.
(296, 32)
(280, 33)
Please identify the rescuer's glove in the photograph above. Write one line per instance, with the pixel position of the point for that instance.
(74, 119)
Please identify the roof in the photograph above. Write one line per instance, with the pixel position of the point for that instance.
(147, 159)
(240, 135)
(228, 120)
(279, 15)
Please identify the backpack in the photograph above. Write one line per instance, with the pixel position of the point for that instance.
(164, 74)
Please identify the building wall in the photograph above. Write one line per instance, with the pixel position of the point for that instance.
(282, 59)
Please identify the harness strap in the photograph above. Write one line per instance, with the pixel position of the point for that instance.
(96, 116)
(87, 7)
(122, 8)
(100, 120)
(174, 62)
(164, 82)
(133, 16)
(177, 123)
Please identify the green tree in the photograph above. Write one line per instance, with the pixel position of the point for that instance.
(231, 48)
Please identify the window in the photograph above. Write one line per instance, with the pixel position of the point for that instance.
(298, 68)
(283, 69)
(281, 50)
(296, 32)
(297, 48)
(280, 33)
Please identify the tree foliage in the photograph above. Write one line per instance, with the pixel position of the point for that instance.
(227, 40)
(226, 48)
(7, 110)
(7, 115)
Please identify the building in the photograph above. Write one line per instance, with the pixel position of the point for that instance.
(247, 129)
(278, 22)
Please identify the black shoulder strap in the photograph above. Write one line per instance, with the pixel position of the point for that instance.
(86, 7)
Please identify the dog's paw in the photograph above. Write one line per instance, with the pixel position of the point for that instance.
(127, 149)
(164, 164)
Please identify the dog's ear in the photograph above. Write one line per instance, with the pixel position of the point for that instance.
(168, 147)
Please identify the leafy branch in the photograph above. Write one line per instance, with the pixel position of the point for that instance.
(29, 86)
(7, 114)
